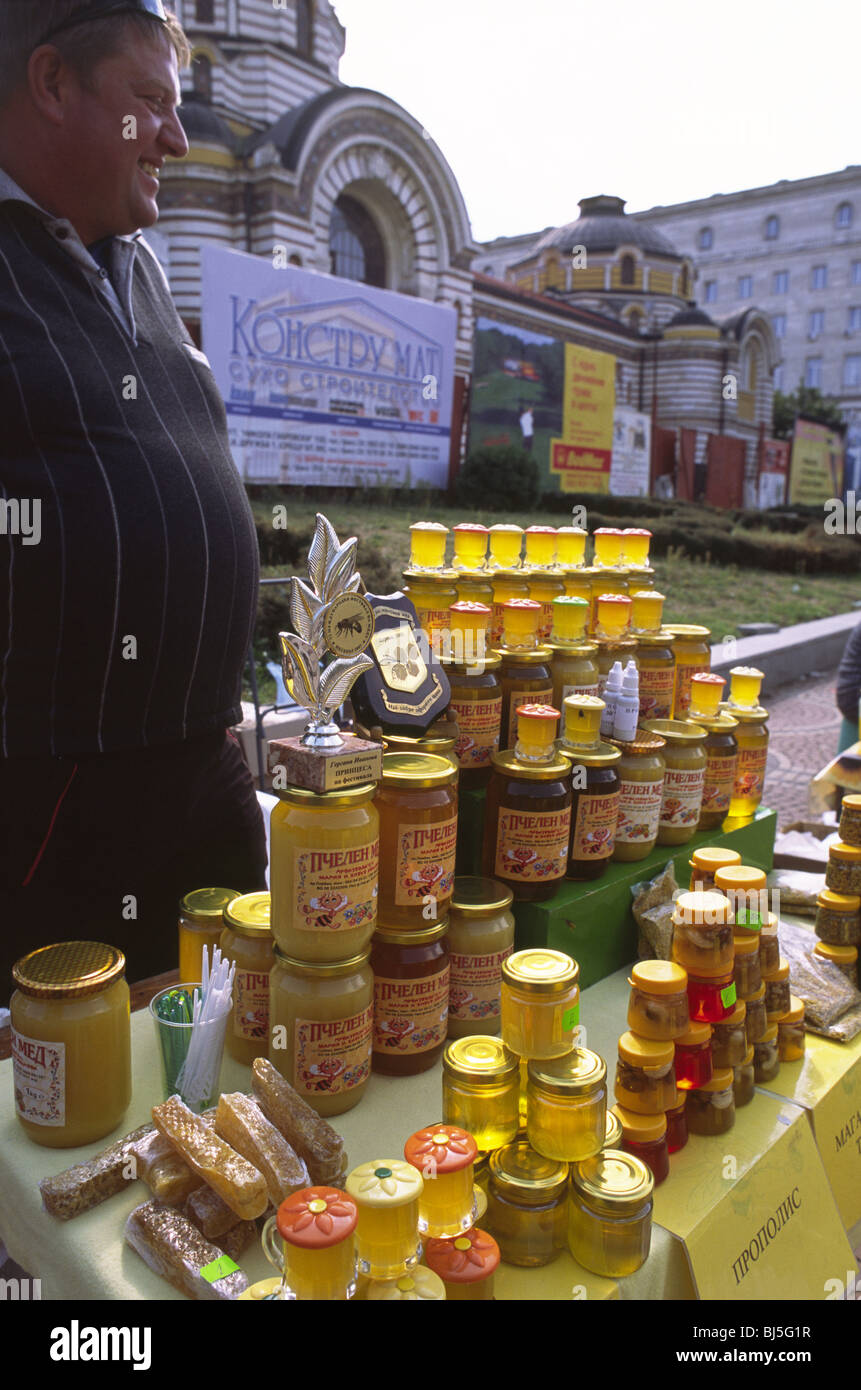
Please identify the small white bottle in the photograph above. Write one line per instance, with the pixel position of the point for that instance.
(627, 710)
(610, 695)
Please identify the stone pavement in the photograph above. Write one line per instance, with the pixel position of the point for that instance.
(805, 725)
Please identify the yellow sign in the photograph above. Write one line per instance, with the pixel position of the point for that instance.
(581, 457)
(816, 467)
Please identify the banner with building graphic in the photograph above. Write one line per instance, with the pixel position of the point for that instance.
(328, 381)
(582, 457)
(816, 465)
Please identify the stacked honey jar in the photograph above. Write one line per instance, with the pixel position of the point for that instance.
(838, 906)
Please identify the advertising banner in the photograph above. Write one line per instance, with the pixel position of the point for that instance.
(328, 381)
(632, 453)
(771, 485)
(583, 455)
(816, 467)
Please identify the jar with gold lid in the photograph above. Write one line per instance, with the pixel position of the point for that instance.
(641, 776)
(386, 1192)
(445, 1156)
(610, 1213)
(566, 1105)
(324, 868)
(844, 957)
(710, 1108)
(776, 991)
(595, 787)
(645, 1075)
(525, 674)
(843, 870)
(506, 584)
(743, 1079)
(481, 1090)
(527, 819)
(721, 747)
(684, 778)
(71, 1043)
(321, 1018)
(766, 1056)
(704, 864)
(431, 596)
(658, 1002)
(540, 1002)
(693, 653)
(746, 967)
(317, 1249)
(476, 694)
(480, 938)
(527, 1205)
(838, 918)
(200, 925)
(466, 1265)
(790, 1031)
(246, 942)
(613, 1134)
(411, 986)
(506, 543)
(729, 1038)
(645, 1136)
(417, 805)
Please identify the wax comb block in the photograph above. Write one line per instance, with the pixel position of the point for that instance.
(308, 1133)
(237, 1240)
(166, 1174)
(168, 1243)
(232, 1176)
(242, 1123)
(86, 1185)
(210, 1213)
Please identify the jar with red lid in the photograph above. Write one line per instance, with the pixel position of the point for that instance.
(777, 994)
(645, 1076)
(729, 1038)
(317, 1252)
(710, 1108)
(658, 1003)
(645, 1136)
(466, 1265)
(693, 1059)
(677, 1126)
(746, 966)
(744, 1080)
(756, 1021)
(766, 1056)
(411, 984)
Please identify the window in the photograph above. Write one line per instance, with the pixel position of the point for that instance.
(856, 272)
(816, 322)
(627, 270)
(204, 12)
(711, 292)
(745, 286)
(852, 371)
(843, 216)
(778, 323)
(705, 241)
(813, 372)
(635, 321)
(201, 76)
(781, 281)
(778, 378)
(355, 245)
(819, 277)
(304, 28)
(854, 319)
(772, 228)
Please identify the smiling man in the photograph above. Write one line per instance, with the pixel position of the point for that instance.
(126, 614)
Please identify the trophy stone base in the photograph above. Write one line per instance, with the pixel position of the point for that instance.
(292, 764)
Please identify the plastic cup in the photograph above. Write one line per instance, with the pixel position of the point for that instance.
(173, 1044)
(427, 546)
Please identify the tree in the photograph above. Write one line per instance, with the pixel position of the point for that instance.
(809, 402)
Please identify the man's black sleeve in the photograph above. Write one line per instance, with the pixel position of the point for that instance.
(849, 677)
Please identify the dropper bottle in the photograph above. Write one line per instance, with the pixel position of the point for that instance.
(611, 693)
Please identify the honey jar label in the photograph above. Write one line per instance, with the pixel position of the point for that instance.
(750, 774)
(39, 1080)
(532, 847)
(433, 619)
(683, 796)
(579, 690)
(656, 692)
(479, 731)
(720, 779)
(639, 811)
(332, 1056)
(684, 671)
(594, 835)
(336, 889)
(521, 697)
(251, 1004)
(411, 1015)
(545, 622)
(476, 985)
(425, 862)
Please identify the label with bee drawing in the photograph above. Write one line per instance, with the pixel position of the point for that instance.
(348, 625)
(407, 687)
(532, 847)
(425, 862)
(336, 889)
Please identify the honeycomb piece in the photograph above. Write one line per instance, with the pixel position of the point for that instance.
(86, 1185)
(210, 1213)
(167, 1176)
(237, 1240)
(173, 1248)
(308, 1133)
(235, 1179)
(242, 1123)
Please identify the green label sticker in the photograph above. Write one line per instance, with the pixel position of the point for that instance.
(728, 995)
(571, 1017)
(748, 919)
(218, 1269)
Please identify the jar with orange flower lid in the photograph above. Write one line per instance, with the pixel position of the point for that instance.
(641, 775)
(658, 1003)
(421, 1285)
(386, 1192)
(466, 1265)
(200, 925)
(246, 942)
(527, 820)
(693, 653)
(610, 1213)
(321, 1020)
(645, 1075)
(317, 1249)
(445, 1156)
(704, 864)
(527, 1205)
(417, 804)
(411, 987)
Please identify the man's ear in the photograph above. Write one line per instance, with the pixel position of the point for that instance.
(50, 81)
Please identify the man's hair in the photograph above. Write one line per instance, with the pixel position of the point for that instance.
(23, 22)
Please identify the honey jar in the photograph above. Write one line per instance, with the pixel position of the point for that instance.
(595, 787)
(476, 694)
(506, 542)
(417, 805)
(769, 946)
(431, 597)
(635, 546)
(684, 778)
(321, 1020)
(480, 938)
(466, 1265)
(777, 994)
(744, 1080)
(544, 589)
(752, 738)
(608, 542)
(641, 776)
(613, 1135)
(843, 870)
(844, 957)
(540, 1003)
(481, 1090)
(766, 1056)
(645, 1075)
(747, 969)
(411, 985)
(850, 820)
(246, 942)
(703, 934)
(386, 1192)
(317, 1253)
(693, 1056)
(677, 1126)
(566, 1105)
(790, 1032)
(610, 1213)
(721, 747)
(710, 1108)
(658, 1004)
(838, 918)
(527, 1205)
(71, 1044)
(693, 653)
(729, 1038)
(755, 1021)
(711, 998)
(645, 1136)
(657, 667)
(540, 547)
(525, 675)
(427, 546)
(573, 668)
(470, 546)
(647, 615)
(506, 584)
(421, 1285)
(472, 589)
(704, 864)
(445, 1156)
(571, 547)
(527, 819)
(200, 925)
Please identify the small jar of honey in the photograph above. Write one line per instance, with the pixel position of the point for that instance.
(790, 1032)
(317, 1255)
(645, 1075)
(704, 864)
(466, 1265)
(540, 1003)
(693, 1056)
(710, 1108)
(246, 942)
(527, 1205)
(777, 994)
(445, 1156)
(481, 1090)
(610, 1213)
(200, 926)
(645, 1136)
(566, 1105)
(729, 1038)
(386, 1192)
(658, 1003)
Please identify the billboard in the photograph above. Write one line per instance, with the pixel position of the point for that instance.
(327, 381)
(816, 466)
(630, 467)
(582, 456)
(516, 391)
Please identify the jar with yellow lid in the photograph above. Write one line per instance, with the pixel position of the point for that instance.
(431, 597)
(710, 1108)
(658, 1003)
(641, 777)
(721, 747)
(466, 1265)
(476, 694)
(421, 1285)
(506, 543)
(766, 1056)
(744, 1079)
(645, 1136)
(573, 667)
(525, 675)
(324, 868)
(480, 938)
(677, 1126)
(411, 988)
(321, 1019)
(566, 1105)
(657, 667)
(843, 870)
(571, 547)
(527, 1205)
(607, 616)
(427, 546)
(317, 1249)
(755, 1019)
(71, 1043)
(777, 994)
(527, 818)
(610, 1213)
(481, 1090)
(850, 819)
(595, 787)
(790, 1031)
(745, 888)
(544, 589)
(844, 957)
(693, 653)
(507, 584)
(746, 967)
(645, 1075)
(386, 1192)
(246, 942)
(417, 805)
(200, 925)
(540, 1003)
(704, 864)
(693, 1056)
(685, 762)
(703, 934)
(445, 1156)
(729, 1038)
(769, 946)
(470, 545)
(838, 918)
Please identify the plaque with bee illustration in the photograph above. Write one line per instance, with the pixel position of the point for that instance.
(407, 689)
(349, 625)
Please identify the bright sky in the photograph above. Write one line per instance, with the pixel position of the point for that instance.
(537, 103)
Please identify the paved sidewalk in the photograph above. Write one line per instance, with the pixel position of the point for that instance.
(804, 725)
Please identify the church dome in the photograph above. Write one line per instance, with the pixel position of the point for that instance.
(203, 126)
(692, 317)
(602, 226)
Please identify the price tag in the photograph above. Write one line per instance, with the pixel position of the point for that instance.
(571, 1018)
(218, 1269)
(728, 995)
